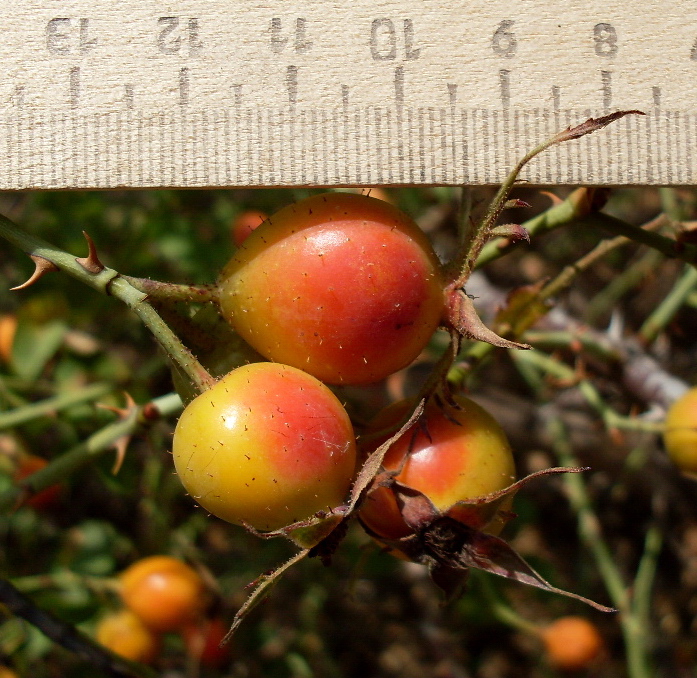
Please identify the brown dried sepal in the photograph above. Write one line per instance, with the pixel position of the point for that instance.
(306, 533)
(449, 547)
(512, 232)
(461, 316)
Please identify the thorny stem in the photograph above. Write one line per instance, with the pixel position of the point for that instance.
(98, 443)
(110, 282)
(633, 611)
(477, 235)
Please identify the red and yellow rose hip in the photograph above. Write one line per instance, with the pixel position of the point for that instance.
(449, 456)
(343, 286)
(268, 445)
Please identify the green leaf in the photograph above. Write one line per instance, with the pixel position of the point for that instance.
(34, 345)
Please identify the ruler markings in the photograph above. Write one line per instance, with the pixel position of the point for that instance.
(178, 60)
(690, 138)
(124, 148)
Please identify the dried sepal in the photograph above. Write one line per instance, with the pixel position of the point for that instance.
(455, 545)
(42, 266)
(464, 319)
(308, 532)
(91, 262)
(450, 547)
(261, 588)
(515, 202)
(514, 232)
(591, 125)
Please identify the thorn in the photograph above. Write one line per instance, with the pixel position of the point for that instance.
(42, 267)
(122, 412)
(120, 445)
(91, 262)
(554, 199)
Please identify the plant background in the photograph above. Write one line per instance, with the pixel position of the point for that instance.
(367, 615)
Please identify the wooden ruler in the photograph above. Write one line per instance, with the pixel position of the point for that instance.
(206, 93)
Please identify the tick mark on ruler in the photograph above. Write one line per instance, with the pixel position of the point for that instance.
(18, 96)
(452, 94)
(344, 95)
(292, 84)
(399, 85)
(128, 95)
(556, 98)
(656, 92)
(505, 86)
(606, 77)
(74, 86)
(184, 86)
(237, 94)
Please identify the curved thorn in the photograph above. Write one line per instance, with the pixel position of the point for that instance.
(42, 267)
(91, 262)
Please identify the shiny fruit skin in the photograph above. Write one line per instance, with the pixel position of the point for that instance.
(244, 223)
(164, 592)
(343, 286)
(571, 643)
(124, 633)
(448, 458)
(680, 436)
(267, 445)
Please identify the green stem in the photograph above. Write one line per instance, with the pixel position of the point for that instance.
(108, 281)
(564, 373)
(82, 454)
(607, 298)
(173, 292)
(634, 630)
(477, 235)
(501, 609)
(65, 579)
(667, 246)
(569, 273)
(670, 305)
(26, 413)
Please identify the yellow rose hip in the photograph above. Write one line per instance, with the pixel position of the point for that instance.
(268, 445)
